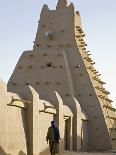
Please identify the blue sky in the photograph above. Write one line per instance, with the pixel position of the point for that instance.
(18, 26)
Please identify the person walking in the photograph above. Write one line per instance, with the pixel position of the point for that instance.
(53, 136)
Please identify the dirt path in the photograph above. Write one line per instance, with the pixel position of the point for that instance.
(86, 153)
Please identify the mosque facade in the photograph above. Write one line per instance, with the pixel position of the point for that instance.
(56, 80)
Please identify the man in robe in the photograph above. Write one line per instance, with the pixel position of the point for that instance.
(53, 136)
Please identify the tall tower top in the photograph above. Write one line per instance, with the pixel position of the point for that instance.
(61, 4)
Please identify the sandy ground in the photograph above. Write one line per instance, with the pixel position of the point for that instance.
(86, 153)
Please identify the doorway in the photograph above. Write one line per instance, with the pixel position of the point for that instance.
(67, 133)
(84, 135)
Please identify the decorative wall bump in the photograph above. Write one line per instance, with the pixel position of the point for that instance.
(31, 55)
(78, 36)
(61, 45)
(52, 22)
(83, 35)
(98, 74)
(85, 44)
(88, 54)
(93, 70)
(69, 45)
(58, 83)
(77, 12)
(78, 27)
(89, 67)
(42, 67)
(37, 83)
(80, 45)
(47, 83)
(94, 77)
(49, 64)
(112, 128)
(62, 31)
(60, 54)
(38, 45)
(109, 117)
(90, 94)
(95, 116)
(44, 54)
(81, 40)
(100, 96)
(14, 83)
(20, 67)
(80, 74)
(83, 48)
(102, 89)
(92, 104)
(107, 99)
(88, 59)
(29, 67)
(99, 81)
(43, 25)
(80, 30)
(77, 66)
(61, 66)
(103, 82)
(87, 51)
(85, 58)
(49, 35)
(92, 63)
(48, 45)
(97, 87)
(106, 106)
(67, 94)
(113, 139)
(27, 83)
(53, 66)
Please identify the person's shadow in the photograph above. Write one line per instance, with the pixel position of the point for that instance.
(21, 153)
(2, 152)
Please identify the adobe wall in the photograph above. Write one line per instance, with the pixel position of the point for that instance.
(12, 131)
(43, 114)
(60, 61)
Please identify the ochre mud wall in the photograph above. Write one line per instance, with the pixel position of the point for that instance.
(12, 131)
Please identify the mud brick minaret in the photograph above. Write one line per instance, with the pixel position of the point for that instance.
(60, 61)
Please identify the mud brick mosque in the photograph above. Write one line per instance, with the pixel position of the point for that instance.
(56, 80)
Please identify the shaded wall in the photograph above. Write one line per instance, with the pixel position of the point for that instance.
(12, 133)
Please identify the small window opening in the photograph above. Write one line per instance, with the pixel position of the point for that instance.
(49, 64)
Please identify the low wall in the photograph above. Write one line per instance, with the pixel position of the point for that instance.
(12, 131)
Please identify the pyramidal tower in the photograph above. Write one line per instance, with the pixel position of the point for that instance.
(60, 62)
